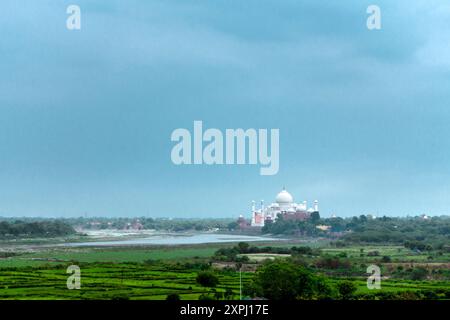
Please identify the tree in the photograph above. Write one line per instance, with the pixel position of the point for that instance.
(419, 274)
(207, 279)
(218, 295)
(315, 217)
(346, 289)
(284, 280)
(232, 225)
(228, 294)
(173, 297)
(243, 247)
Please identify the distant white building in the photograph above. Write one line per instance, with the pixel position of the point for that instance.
(284, 204)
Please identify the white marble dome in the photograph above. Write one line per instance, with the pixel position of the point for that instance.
(284, 197)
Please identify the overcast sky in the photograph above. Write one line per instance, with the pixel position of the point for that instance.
(86, 115)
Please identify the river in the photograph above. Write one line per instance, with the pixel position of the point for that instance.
(172, 239)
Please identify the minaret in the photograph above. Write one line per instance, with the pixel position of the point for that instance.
(253, 213)
(316, 206)
(263, 215)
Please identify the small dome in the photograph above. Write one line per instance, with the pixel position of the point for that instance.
(284, 197)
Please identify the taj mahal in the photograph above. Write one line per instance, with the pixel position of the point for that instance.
(284, 205)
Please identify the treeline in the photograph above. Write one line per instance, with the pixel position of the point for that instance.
(123, 223)
(415, 233)
(176, 225)
(295, 227)
(287, 280)
(48, 228)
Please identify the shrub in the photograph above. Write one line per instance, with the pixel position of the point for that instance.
(207, 279)
(346, 289)
(173, 297)
(418, 274)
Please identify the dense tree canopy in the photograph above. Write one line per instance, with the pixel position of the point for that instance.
(285, 280)
(414, 232)
(207, 279)
(47, 228)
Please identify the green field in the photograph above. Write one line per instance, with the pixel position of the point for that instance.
(58, 256)
(154, 272)
(49, 255)
(109, 281)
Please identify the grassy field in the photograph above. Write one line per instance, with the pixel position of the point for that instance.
(57, 256)
(396, 253)
(51, 255)
(110, 281)
(154, 272)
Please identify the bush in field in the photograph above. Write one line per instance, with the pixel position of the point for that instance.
(346, 289)
(196, 265)
(242, 259)
(120, 297)
(243, 247)
(420, 246)
(302, 250)
(418, 274)
(429, 295)
(207, 279)
(402, 295)
(374, 253)
(340, 244)
(228, 295)
(173, 297)
(386, 259)
(218, 295)
(7, 254)
(329, 262)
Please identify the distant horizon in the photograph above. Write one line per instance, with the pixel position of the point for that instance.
(201, 218)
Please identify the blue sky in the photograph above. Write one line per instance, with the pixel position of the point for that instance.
(86, 116)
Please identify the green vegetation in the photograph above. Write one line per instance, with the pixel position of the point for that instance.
(207, 279)
(157, 272)
(415, 233)
(112, 281)
(412, 253)
(242, 250)
(285, 280)
(173, 225)
(347, 289)
(173, 297)
(21, 229)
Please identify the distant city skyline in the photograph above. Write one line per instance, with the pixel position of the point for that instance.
(86, 115)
